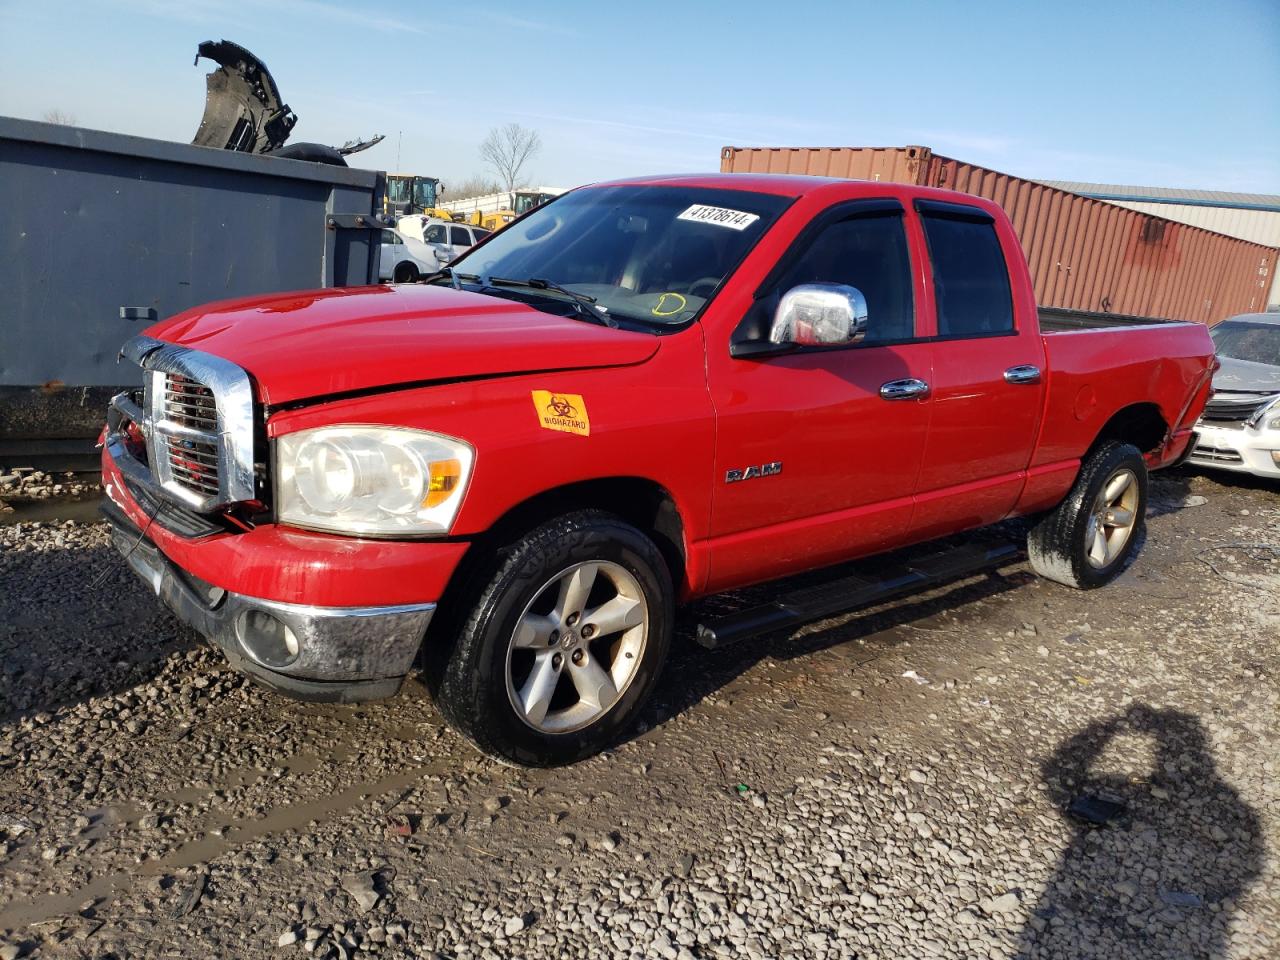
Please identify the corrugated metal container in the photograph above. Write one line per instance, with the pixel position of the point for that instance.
(1084, 254)
(1257, 226)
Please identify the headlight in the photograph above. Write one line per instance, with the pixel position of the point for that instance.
(371, 480)
(1268, 415)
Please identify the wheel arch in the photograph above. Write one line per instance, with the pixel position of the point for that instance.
(1141, 424)
(640, 501)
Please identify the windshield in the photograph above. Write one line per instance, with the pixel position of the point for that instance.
(397, 190)
(652, 254)
(1241, 340)
(527, 201)
(424, 193)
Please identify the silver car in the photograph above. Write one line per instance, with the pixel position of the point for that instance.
(1240, 427)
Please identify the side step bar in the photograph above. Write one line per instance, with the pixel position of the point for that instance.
(851, 592)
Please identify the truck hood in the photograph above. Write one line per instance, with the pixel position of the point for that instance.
(310, 345)
(1246, 376)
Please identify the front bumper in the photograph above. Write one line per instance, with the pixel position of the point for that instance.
(1242, 448)
(344, 654)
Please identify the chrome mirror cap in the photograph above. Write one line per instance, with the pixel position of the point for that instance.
(820, 315)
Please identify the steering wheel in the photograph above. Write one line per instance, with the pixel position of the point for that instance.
(709, 282)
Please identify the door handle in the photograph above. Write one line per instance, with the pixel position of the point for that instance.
(903, 389)
(1023, 373)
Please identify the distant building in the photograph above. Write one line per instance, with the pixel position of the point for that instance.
(1248, 216)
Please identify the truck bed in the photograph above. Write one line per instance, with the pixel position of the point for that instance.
(1118, 365)
(1060, 320)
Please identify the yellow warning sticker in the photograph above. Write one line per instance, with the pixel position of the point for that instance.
(565, 412)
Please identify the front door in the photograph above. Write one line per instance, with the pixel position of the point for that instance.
(813, 464)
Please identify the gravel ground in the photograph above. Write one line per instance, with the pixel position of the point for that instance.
(889, 784)
(21, 484)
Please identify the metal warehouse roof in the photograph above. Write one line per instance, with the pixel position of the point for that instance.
(1194, 198)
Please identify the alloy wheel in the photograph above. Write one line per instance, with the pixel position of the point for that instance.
(577, 647)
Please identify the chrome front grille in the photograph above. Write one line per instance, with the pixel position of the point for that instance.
(190, 403)
(197, 418)
(193, 460)
(1228, 409)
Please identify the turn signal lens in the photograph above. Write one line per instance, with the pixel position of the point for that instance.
(445, 477)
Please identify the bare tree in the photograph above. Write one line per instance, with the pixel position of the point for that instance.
(507, 149)
(476, 185)
(57, 116)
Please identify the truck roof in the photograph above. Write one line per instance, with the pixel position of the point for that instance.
(799, 185)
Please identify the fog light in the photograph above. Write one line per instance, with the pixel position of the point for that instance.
(267, 639)
(1275, 457)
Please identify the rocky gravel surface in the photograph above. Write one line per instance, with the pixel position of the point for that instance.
(895, 783)
(25, 484)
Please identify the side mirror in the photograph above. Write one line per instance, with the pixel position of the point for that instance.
(820, 315)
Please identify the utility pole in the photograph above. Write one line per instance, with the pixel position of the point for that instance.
(399, 137)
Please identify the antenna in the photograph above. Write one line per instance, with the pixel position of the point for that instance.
(399, 137)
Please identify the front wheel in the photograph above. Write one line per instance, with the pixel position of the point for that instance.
(1086, 540)
(406, 273)
(564, 644)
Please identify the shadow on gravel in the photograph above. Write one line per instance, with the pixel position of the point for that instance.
(1161, 877)
(1168, 493)
(1227, 478)
(76, 623)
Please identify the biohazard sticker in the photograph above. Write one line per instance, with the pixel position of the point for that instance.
(565, 412)
(720, 216)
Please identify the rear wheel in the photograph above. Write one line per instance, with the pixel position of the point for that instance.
(405, 273)
(564, 643)
(1087, 539)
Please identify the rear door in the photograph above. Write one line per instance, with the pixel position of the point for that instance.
(813, 463)
(988, 373)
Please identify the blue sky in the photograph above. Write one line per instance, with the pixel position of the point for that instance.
(1167, 94)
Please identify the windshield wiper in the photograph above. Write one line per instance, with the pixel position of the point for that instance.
(584, 304)
(444, 273)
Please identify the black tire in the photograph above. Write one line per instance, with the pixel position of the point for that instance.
(470, 685)
(1058, 545)
(405, 272)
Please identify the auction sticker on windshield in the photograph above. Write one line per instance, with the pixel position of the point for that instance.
(720, 216)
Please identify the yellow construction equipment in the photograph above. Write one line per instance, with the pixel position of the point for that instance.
(409, 193)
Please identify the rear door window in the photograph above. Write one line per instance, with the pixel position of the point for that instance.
(970, 275)
(458, 236)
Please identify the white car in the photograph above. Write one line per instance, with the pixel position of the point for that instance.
(1240, 427)
(447, 239)
(405, 259)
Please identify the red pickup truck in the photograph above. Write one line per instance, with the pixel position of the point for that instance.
(640, 393)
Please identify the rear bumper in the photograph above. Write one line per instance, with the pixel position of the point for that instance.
(1242, 449)
(343, 654)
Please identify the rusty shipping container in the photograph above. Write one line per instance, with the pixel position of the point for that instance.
(1084, 254)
